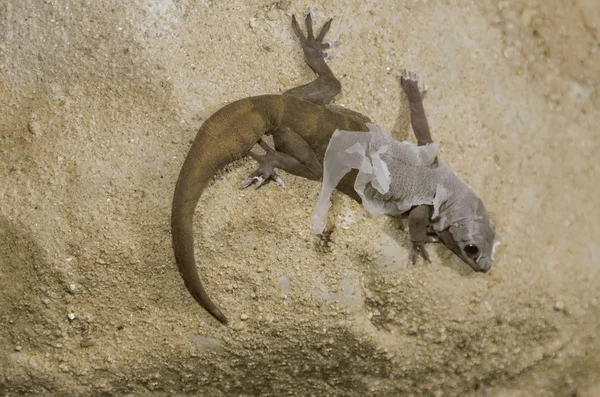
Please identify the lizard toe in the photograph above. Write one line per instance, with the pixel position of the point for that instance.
(310, 43)
(249, 181)
(410, 85)
(418, 250)
(332, 43)
(279, 181)
(256, 180)
(259, 179)
(408, 75)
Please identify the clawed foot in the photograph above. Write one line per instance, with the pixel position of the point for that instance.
(409, 82)
(260, 180)
(312, 45)
(266, 168)
(418, 249)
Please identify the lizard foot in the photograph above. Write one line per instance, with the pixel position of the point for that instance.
(409, 82)
(266, 168)
(418, 249)
(313, 46)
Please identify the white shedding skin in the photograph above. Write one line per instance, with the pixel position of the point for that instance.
(348, 153)
(392, 176)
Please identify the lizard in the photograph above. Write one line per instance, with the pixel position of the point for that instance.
(301, 122)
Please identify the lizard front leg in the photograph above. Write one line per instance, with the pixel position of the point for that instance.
(418, 222)
(419, 217)
(418, 120)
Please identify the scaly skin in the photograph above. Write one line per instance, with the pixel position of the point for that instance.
(301, 125)
(229, 135)
(301, 122)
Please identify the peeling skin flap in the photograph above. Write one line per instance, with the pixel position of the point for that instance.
(348, 152)
(382, 180)
(391, 173)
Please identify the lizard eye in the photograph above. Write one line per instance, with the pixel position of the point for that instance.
(471, 250)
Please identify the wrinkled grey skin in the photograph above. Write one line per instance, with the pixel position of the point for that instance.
(479, 233)
(467, 229)
(411, 182)
(399, 179)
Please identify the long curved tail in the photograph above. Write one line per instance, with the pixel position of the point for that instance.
(226, 136)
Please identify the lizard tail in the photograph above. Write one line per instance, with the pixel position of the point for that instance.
(226, 136)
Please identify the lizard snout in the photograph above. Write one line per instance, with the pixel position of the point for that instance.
(483, 265)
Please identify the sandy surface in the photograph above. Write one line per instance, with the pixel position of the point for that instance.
(98, 103)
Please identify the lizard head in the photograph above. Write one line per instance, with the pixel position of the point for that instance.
(472, 239)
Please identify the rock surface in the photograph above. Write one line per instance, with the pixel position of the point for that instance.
(98, 103)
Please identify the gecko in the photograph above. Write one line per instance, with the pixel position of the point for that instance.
(301, 122)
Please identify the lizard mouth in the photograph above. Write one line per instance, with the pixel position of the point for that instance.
(483, 265)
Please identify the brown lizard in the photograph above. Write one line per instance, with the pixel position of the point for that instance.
(301, 122)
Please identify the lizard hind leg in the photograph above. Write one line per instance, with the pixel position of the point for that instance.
(291, 154)
(326, 86)
(266, 168)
